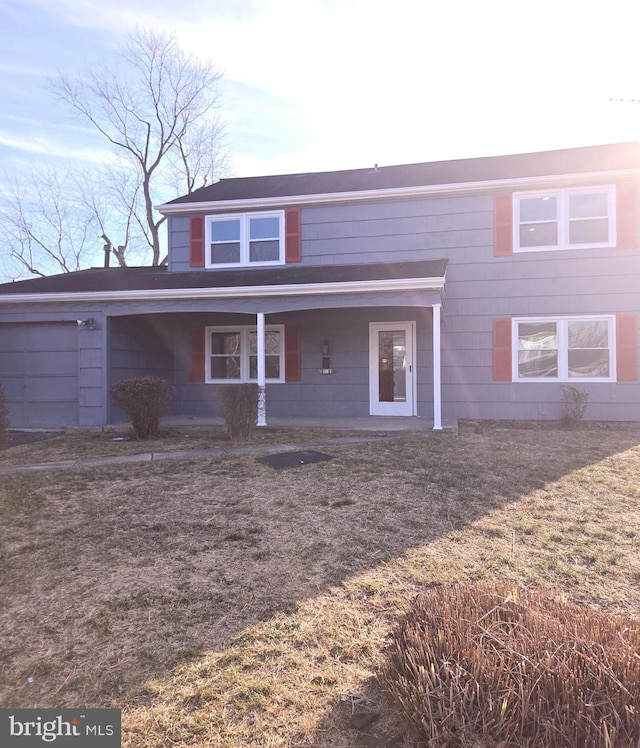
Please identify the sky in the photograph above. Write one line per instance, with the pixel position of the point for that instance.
(315, 85)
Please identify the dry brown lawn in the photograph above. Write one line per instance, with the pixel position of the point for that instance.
(219, 602)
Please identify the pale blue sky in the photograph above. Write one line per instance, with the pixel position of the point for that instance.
(337, 84)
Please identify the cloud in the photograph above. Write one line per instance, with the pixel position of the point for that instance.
(52, 148)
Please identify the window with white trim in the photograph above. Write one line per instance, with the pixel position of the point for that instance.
(564, 219)
(564, 349)
(245, 239)
(232, 354)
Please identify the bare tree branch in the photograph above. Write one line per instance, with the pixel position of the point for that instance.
(45, 229)
(159, 110)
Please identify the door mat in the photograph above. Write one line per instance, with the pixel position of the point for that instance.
(282, 460)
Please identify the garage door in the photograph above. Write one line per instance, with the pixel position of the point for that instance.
(39, 373)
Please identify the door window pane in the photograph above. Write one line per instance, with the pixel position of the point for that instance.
(392, 364)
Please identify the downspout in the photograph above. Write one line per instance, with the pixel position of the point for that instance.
(437, 387)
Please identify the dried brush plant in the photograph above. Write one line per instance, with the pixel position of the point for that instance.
(495, 666)
(239, 404)
(143, 400)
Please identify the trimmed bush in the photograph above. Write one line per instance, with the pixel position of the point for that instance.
(493, 666)
(574, 405)
(239, 403)
(4, 418)
(143, 400)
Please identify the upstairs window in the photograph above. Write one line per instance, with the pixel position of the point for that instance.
(564, 219)
(564, 349)
(249, 239)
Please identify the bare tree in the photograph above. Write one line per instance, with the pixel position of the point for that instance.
(45, 226)
(158, 109)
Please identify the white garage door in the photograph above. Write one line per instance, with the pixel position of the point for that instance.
(39, 373)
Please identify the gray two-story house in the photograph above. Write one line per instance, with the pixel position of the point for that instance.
(471, 288)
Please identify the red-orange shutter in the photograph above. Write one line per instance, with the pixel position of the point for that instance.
(502, 350)
(292, 366)
(196, 369)
(292, 244)
(627, 215)
(626, 347)
(196, 241)
(503, 225)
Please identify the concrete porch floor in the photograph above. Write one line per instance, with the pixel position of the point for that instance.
(347, 423)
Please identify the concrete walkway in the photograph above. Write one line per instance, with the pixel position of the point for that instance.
(382, 429)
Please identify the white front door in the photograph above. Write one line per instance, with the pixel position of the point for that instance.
(391, 376)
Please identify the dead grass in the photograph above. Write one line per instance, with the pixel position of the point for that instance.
(88, 444)
(220, 602)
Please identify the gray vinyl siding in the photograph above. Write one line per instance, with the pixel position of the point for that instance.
(391, 231)
(343, 393)
(139, 346)
(137, 338)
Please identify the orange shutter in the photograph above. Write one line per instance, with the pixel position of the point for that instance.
(196, 241)
(626, 347)
(502, 350)
(627, 215)
(292, 366)
(196, 369)
(292, 248)
(503, 225)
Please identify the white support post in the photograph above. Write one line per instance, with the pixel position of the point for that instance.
(437, 388)
(261, 354)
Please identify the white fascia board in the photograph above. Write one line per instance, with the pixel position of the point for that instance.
(235, 292)
(494, 185)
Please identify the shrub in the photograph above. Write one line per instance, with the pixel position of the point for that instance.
(239, 409)
(494, 666)
(4, 418)
(574, 405)
(143, 401)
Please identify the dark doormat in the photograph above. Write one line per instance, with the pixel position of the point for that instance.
(282, 460)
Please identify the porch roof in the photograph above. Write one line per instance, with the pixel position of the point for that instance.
(159, 283)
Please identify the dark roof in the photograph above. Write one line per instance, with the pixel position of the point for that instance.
(546, 163)
(150, 278)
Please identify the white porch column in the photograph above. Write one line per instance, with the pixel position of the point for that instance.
(437, 388)
(262, 411)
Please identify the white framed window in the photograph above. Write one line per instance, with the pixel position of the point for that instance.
(231, 354)
(245, 239)
(564, 349)
(564, 219)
